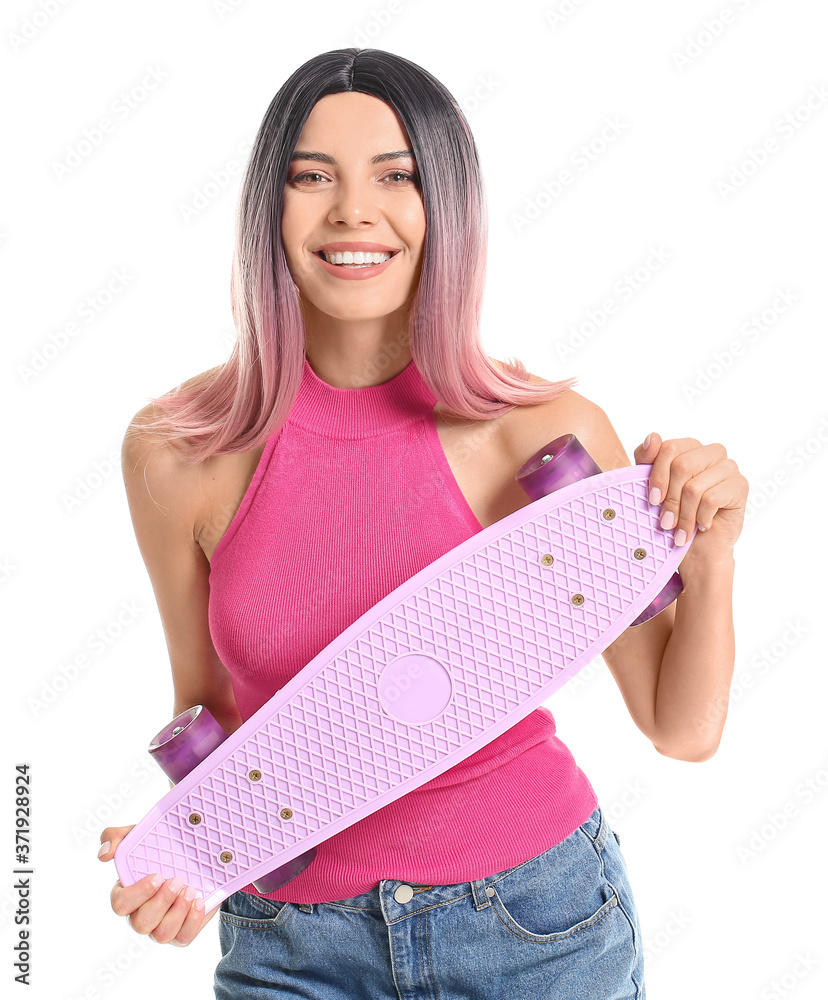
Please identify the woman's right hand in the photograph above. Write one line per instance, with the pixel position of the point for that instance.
(168, 911)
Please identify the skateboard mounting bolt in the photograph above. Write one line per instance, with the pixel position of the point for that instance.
(177, 730)
(195, 819)
(577, 600)
(545, 459)
(547, 559)
(255, 775)
(226, 857)
(640, 553)
(608, 514)
(286, 813)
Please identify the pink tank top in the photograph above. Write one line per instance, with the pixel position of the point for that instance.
(351, 497)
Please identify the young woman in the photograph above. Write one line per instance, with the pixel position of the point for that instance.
(356, 433)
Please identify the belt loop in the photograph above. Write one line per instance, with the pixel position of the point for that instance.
(306, 907)
(479, 894)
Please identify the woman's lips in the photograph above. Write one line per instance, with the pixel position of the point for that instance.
(354, 273)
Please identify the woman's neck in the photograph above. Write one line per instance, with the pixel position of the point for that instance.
(355, 364)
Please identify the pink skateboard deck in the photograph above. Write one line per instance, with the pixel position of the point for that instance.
(440, 667)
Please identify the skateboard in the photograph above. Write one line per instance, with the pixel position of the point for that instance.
(441, 666)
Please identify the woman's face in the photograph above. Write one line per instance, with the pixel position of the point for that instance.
(339, 196)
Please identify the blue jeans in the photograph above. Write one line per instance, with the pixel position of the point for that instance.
(562, 924)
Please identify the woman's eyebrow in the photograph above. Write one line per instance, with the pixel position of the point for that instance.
(397, 154)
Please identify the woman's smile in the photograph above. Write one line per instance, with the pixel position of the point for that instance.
(355, 261)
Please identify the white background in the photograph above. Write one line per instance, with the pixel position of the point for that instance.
(731, 905)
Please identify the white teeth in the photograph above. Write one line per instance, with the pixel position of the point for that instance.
(358, 257)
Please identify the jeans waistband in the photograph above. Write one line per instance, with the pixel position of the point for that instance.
(393, 898)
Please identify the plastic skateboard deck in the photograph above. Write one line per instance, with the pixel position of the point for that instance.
(445, 663)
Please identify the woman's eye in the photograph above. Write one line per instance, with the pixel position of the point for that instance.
(405, 174)
(306, 177)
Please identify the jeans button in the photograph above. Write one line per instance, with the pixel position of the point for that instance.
(403, 894)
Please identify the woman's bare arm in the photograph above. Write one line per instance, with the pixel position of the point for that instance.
(163, 496)
(163, 493)
(674, 671)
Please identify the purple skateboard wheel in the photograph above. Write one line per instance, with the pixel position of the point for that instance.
(564, 461)
(187, 741)
(557, 464)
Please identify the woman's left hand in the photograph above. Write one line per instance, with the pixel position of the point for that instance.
(700, 485)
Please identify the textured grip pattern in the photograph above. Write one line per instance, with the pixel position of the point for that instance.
(499, 621)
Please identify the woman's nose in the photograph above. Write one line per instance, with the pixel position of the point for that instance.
(354, 201)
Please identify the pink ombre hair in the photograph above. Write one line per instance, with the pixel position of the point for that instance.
(238, 405)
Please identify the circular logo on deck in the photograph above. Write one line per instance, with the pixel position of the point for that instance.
(415, 688)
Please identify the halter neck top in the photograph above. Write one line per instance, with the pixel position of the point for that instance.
(351, 497)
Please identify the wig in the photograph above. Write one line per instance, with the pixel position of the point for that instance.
(236, 406)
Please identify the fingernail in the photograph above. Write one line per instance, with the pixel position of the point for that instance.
(702, 528)
(647, 440)
(104, 848)
(655, 495)
(680, 536)
(189, 894)
(176, 884)
(199, 903)
(156, 881)
(668, 520)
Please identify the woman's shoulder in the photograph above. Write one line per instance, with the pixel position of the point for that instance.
(142, 429)
(204, 494)
(154, 463)
(569, 398)
(533, 426)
